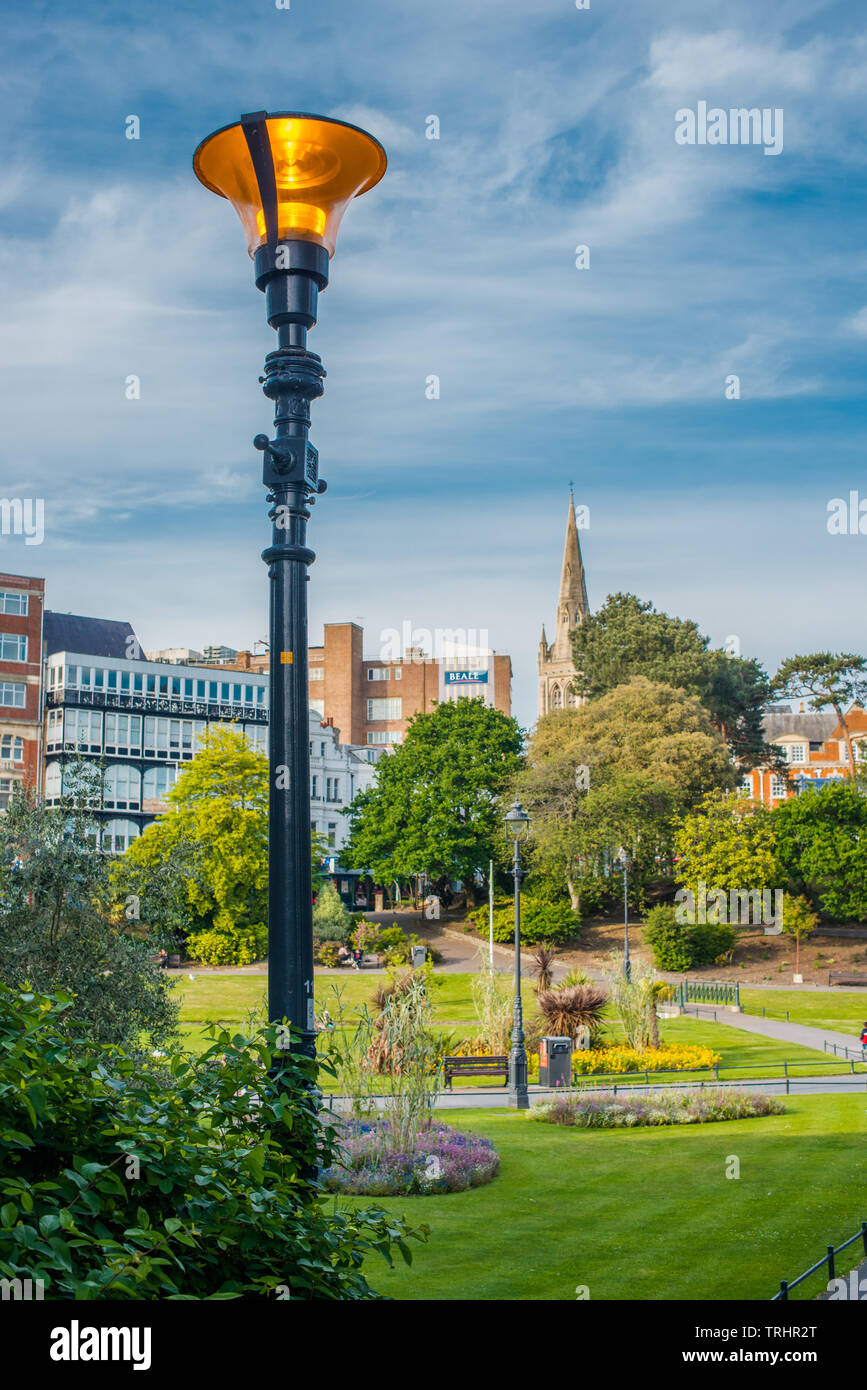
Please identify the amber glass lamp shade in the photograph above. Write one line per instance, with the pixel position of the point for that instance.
(319, 165)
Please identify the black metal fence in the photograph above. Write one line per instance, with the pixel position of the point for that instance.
(691, 992)
(827, 1259)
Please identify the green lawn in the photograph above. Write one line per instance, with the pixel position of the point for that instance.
(643, 1214)
(229, 998)
(843, 1013)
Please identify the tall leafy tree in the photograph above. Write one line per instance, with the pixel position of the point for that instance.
(217, 829)
(627, 637)
(822, 839)
(60, 929)
(616, 771)
(434, 807)
(827, 680)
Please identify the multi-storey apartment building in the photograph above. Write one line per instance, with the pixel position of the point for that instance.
(21, 617)
(144, 720)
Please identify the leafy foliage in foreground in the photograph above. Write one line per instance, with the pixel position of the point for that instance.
(118, 1184)
(59, 928)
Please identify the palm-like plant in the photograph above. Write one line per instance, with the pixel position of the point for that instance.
(544, 957)
(565, 1011)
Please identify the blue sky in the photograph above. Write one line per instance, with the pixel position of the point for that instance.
(557, 129)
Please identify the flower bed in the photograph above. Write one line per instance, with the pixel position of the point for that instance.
(620, 1061)
(444, 1160)
(604, 1110)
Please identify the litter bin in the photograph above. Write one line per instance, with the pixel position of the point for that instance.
(555, 1062)
(417, 956)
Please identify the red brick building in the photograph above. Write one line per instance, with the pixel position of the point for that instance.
(21, 606)
(372, 699)
(814, 749)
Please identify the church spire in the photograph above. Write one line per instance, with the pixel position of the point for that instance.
(572, 606)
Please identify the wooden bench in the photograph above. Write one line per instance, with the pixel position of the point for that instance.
(846, 977)
(475, 1066)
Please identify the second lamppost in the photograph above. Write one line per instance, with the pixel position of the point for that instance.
(517, 824)
(290, 177)
(624, 862)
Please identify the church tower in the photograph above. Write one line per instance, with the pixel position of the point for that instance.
(556, 668)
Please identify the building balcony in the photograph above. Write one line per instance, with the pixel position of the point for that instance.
(156, 704)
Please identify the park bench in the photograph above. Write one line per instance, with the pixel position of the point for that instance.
(475, 1066)
(847, 977)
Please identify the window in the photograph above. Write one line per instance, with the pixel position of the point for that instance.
(332, 789)
(332, 834)
(397, 673)
(12, 601)
(156, 738)
(745, 788)
(12, 748)
(157, 782)
(317, 673)
(778, 787)
(53, 782)
(7, 789)
(123, 734)
(379, 673)
(314, 783)
(384, 709)
(118, 835)
(322, 750)
(384, 736)
(11, 693)
(82, 730)
(122, 787)
(13, 647)
(797, 753)
(556, 698)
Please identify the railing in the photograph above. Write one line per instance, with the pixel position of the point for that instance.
(848, 1052)
(691, 992)
(138, 703)
(581, 1081)
(827, 1259)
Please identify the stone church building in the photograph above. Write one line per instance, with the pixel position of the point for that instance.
(556, 669)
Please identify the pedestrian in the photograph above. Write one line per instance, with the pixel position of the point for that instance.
(864, 1043)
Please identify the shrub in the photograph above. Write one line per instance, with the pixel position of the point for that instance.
(331, 920)
(229, 945)
(548, 920)
(683, 945)
(604, 1110)
(325, 953)
(118, 1183)
(441, 1159)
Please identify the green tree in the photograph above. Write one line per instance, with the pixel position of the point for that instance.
(799, 920)
(827, 680)
(331, 921)
(728, 843)
(214, 839)
(628, 638)
(60, 930)
(615, 772)
(435, 804)
(822, 846)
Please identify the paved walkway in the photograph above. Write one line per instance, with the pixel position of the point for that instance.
(801, 1033)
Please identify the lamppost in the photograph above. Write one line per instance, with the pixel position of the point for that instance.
(517, 824)
(624, 862)
(290, 178)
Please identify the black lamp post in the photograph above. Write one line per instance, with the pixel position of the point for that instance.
(517, 824)
(624, 862)
(290, 178)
